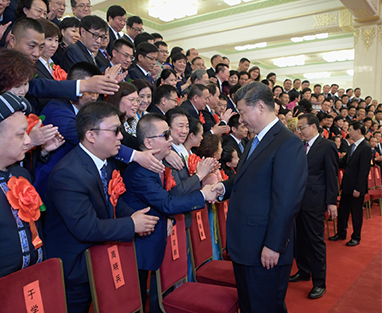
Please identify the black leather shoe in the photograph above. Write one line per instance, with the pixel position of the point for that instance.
(352, 243)
(297, 277)
(337, 237)
(316, 293)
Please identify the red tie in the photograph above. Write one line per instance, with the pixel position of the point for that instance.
(306, 146)
(107, 55)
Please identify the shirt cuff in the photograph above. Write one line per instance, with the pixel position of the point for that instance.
(220, 198)
(132, 156)
(78, 84)
(204, 198)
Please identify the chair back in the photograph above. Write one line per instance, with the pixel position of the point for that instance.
(201, 248)
(174, 269)
(221, 210)
(35, 286)
(340, 177)
(377, 176)
(371, 178)
(113, 277)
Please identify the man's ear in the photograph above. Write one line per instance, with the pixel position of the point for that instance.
(89, 136)
(12, 41)
(147, 142)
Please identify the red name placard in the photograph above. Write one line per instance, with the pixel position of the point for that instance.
(32, 296)
(174, 243)
(199, 220)
(115, 264)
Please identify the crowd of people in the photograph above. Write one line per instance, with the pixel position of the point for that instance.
(97, 100)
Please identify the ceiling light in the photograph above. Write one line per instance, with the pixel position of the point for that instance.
(168, 10)
(261, 45)
(322, 36)
(240, 48)
(250, 47)
(309, 37)
(350, 72)
(297, 39)
(232, 2)
(290, 61)
(342, 55)
(317, 75)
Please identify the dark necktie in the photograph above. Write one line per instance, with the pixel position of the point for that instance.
(107, 55)
(352, 149)
(306, 146)
(253, 146)
(104, 181)
(148, 75)
(119, 36)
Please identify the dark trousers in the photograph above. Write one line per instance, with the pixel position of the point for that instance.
(78, 298)
(349, 204)
(310, 246)
(154, 304)
(261, 290)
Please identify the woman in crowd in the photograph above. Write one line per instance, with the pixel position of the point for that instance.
(277, 90)
(229, 161)
(233, 80)
(294, 99)
(179, 62)
(254, 74)
(128, 101)
(32, 8)
(145, 95)
(167, 77)
(69, 34)
(306, 93)
(345, 129)
(195, 135)
(337, 106)
(175, 50)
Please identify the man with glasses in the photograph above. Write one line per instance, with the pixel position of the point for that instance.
(146, 56)
(320, 196)
(122, 53)
(116, 17)
(165, 98)
(134, 26)
(144, 187)
(92, 31)
(80, 213)
(81, 8)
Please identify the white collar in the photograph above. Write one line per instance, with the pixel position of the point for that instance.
(115, 33)
(264, 131)
(47, 65)
(311, 142)
(97, 161)
(144, 72)
(237, 140)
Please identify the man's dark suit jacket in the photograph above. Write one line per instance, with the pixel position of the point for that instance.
(231, 142)
(344, 147)
(78, 216)
(144, 188)
(102, 61)
(57, 57)
(75, 53)
(154, 109)
(209, 121)
(136, 73)
(56, 21)
(230, 105)
(187, 105)
(112, 38)
(337, 131)
(42, 72)
(265, 197)
(211, 72)
(322, 187)
(357, 167)
(188, 70)
(128, 39)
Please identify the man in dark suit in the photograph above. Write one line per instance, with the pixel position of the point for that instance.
(345, 144)
(56, 11)
(79, 211)
(116, 17)
(196, 101)
(190, 54)
(354, 184)
(265, 197)
(215, 60)
(164, 99)
(122, 53)
(103, 59)
(146, 58)
(222, 74)
(134, 26)
(320, 195)
(92, 31)
(144, 187)
(338, 122)
(237, 134)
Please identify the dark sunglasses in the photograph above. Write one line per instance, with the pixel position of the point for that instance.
(166, 135)
(116, 131)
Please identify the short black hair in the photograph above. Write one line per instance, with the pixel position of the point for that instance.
(159, 43)
(357, 125)
(93, 22)
(254, 92)
(317, 85)
(311, 119)
(321, 116)
(115, 10)
(196, 89)
(173, 113)
(234, 121)
(296, 80)
(133, 19)
(81, 70)
(306, 90)
(220, 67)
(163, 91)
(146, 128)
(157, 36)
(334, 85)
(166, 73)
(145, 48)
(214, 57)
(305, 81)
(337, 118)
(242, 60)
(143, 37)
(233, 89)
(343, 108)
(24, 23)
(69, 22)
(212, 88)
(177, 57)
(270, 75)
(195, 126)
(243, 73)
(226, 155)
(92, 114)
(21, 4)
(117, 44)
(194, 59)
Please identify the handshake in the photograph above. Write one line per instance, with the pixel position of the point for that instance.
(212, 192)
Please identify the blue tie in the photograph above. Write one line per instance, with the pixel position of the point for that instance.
(241, 147)
(104, 181)
(148, 75)
(119, 36)
(352, 149)
(253, 147)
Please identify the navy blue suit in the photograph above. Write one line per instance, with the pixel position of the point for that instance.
(187, 105)
(265, 197)
(75, 53)
(136, 73)
(228, 141)
(231, 105)
(112, 38)
(79, 217)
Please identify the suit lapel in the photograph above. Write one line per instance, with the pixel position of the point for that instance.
(316, 145)
(42, 71)
(267, 139)
(85, 51)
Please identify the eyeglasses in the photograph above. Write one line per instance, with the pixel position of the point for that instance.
(138, 30)
(83, 6)
(166, 135)
(116, 131)
(151, 58)
(175, 100)
(299, 129)
(40, 11)
(96, 36)
(126, 55)
(135, 100)
(163, 51)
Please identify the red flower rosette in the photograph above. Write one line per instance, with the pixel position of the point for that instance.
(192, 162)
(116, 188)
(22, 196)
(59, 73)
(216, 118)
(201, 118)
(224, 175)
(170, 181)
(32, 120)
